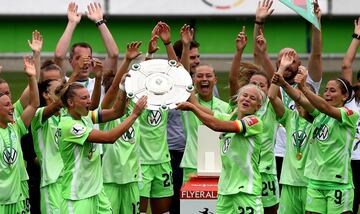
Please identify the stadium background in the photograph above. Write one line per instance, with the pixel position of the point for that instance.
(216, 29)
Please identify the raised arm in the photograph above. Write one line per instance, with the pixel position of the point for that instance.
(351, 53)
(152, 47)
(34, 100)
(64, 42)
(315, 59)
(111, 136)
(132, 52)
(187, 35)
(209, 120)
(317, 101)
(263, 11)
(95, 14)
(96, 94)
(240, 44)
(35, 45)
(163, 31)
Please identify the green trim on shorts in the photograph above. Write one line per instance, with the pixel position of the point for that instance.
(239, 203)
(329, 201)
(22, 206)
(292, 199)
(124, 198)
(270, 190)
(156, 180)
(51, 198)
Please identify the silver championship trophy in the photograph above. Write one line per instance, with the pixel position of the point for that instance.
(164, 82)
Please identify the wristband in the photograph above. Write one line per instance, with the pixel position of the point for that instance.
(100, 22)
(168, 43)
(149, 55)
(258, 23)
(356, 36)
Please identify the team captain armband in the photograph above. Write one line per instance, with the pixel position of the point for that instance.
(96, 116)
(240, 126)
(249, 125)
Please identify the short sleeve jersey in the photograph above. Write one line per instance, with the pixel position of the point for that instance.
(330, 147)
(82, 174)
(297, 142)
(191, 124)
(121, 160)
(288, 102)
(12, 163)
(267, 158)
(46, 144)
(240, 156)
(153, 146)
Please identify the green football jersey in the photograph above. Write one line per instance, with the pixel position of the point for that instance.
(191, 123)
(240, 156)
(267, 157)
(12, 164)
(121, 160)
(330, 147)
(82, 173)
(297, 147)
(153, 141)
(46, 144)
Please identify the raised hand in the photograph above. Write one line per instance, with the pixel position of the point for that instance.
(72, 13)
(301, 76)
(163, 31)
(153, 47)
(97, 67)
(241, 40)
(29, 66)
(357, 26)
(94, 12)
(186, 34)
(132, 50)
(264, 10)
(317, 10)
(140, 105)
(36, 41)
(287, 59)
(261, 42)
(278, 79)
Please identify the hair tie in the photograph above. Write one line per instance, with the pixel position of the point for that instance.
(342, 82)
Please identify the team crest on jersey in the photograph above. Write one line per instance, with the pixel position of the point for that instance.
(251, 120)
(57, 136)
(154, 118)
(226, 145)
(78, 129)
(323, 133)
(300, 136)
(9, 155)
(129, 135)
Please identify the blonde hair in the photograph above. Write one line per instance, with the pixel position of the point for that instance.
(261, 94)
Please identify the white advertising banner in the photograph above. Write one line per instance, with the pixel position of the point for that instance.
(345, 7)
(41, 7)
(196, 7)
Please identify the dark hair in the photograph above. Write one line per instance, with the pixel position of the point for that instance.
(264, 74)
(345, 88)
(178, 47)
(48, 65)
(79, 44)
(358, 76)
(43, 87)
(66, 91)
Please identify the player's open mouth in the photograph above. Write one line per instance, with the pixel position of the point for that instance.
(205, 85)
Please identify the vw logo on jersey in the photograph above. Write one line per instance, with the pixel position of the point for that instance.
(57, 136)
(226, 145)
(78, 129)
(129, 135)
(301, 136)
(154, 118)
(323, 133)
(9, 155)
(93, 147)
